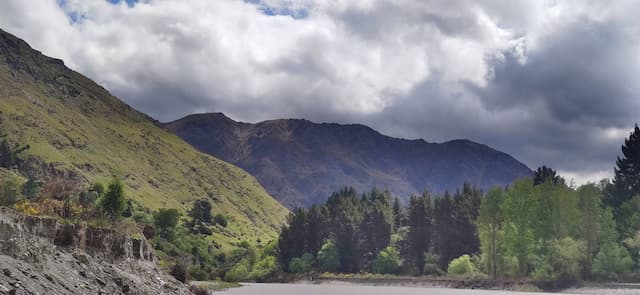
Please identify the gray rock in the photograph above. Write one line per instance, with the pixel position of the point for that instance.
(41, 256)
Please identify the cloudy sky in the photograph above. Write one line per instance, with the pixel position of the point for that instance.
(550, 82)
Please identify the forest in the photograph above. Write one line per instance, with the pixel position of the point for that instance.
(539, 227)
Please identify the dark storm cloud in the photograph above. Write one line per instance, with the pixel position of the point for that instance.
(549, 82)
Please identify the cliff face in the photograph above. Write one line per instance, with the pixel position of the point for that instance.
(42, 256)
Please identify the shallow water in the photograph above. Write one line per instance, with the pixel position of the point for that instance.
(345, 289)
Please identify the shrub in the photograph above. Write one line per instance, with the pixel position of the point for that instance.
(197, 273)
(10, 191)
(221, 220)
(387, 261)
(301, 264)
(165, 221)
(31, 189)
(611, 261)
(113, 202)
(201, 211)
(264, 268)
(142, 218)
(462, 266)
(180, 271)
(328, 259)
(238, 272)
(431, 266)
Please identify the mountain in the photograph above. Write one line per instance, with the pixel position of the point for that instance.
(75, 126)
(301, 163)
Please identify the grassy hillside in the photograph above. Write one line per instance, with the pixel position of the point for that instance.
(74, 123)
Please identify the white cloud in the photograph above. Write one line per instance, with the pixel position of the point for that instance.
(423, 68)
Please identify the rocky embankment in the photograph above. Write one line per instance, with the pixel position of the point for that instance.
(42, 256)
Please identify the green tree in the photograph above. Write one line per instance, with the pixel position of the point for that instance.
(490, 223)
(201, 211)
(221, 220)
(626, 182)
(10, 191)
(611, 262)
(31, 189)
(544, 173)
(9, 154)
(301, 264)
(387, 261)
(113, 202)
(264, 268)
(518, 208)
(166, 221)
(462, 266)
(590, 205)
(328, 259)
(398, 215)
(420, 218)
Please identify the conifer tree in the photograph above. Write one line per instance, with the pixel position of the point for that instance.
(626, 183)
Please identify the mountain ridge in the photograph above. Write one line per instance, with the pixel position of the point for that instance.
(74, 124)
(287, 154)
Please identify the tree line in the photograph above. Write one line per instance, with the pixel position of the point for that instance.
(538, 227)
(374, 232)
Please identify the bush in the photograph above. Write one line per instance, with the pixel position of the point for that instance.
(180, 271)
(10, 191)
(328, 259)
(197, 273)
(611, 261)
(264, 268)
(201, 211)
(301, 264)
(221, 220)
(113, 202)
(431, 266)
(238, 272)
(166, 221)
(462, 266)
(142, 218)
(387, 261)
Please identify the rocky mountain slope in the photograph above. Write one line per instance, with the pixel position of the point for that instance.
(300, 162)
(74, 125)
(41, 256)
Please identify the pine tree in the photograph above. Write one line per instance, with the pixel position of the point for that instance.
(444, 229)
(545, 173)
(420, 213)
(397, 214)
(626, 183)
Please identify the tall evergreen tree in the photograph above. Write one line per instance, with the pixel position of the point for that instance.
(420, 218)
(376, 225)
(444, 228)
(626, 183)
(545, 173)
(291, 242)
(397, 214)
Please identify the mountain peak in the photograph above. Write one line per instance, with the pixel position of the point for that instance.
(301, 162)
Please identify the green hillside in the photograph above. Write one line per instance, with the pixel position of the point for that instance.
(72, 122)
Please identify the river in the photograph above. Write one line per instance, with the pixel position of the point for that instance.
(350, 289)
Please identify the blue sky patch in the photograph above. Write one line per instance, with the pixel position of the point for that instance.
(273, 11)
(130, 3)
